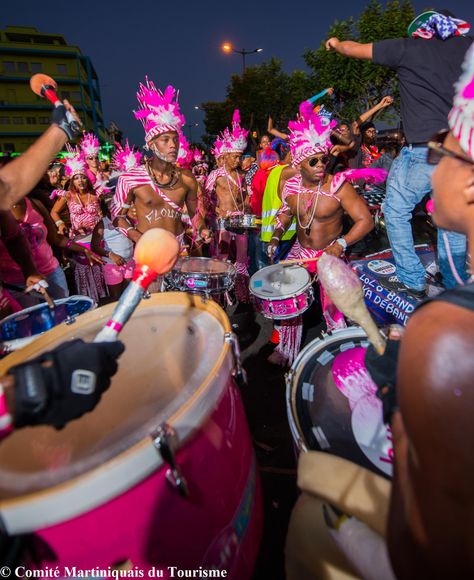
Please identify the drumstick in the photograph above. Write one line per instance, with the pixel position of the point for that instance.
(48, 299)
(344, 288)
(297, 261)
(155, 254)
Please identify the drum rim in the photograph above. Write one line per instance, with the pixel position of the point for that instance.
(230, 272)
(283, 296)
(54, 505)
(58, 302)
(292, 377)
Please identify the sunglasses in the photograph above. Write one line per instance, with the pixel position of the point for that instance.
(90, 157)
(315, 160)
(436, 150)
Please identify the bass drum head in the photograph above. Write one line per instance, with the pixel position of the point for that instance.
(332, 405)
(279, 282)
(174, 349)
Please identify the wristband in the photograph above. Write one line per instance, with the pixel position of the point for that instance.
(342, 242)
(6, 422)
(59, 222)
(126, 205)
(130, 228)
(275, 238)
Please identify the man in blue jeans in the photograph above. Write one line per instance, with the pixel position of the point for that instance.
(428, 63)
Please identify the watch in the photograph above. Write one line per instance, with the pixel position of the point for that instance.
(342, 242)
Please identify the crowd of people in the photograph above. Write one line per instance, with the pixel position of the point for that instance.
(305, 192)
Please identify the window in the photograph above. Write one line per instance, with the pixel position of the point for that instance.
(22, 67)
(43, 120)
(4, 120)
(18, 120)
(62, 69)
(66, 94)
(36, 67)
(76, 96)
(31, 120)
(9, 67)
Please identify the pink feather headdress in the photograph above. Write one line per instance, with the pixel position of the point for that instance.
(234, 141)
(461, 117)
(185, 154)
(217, 149)
(158, 111)
(76, 165)
(126, 158)
(90, 145)
(309, 134)
(197, 155)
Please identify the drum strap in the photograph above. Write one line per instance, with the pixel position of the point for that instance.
(352, 489)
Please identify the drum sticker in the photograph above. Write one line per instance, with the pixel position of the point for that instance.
(258, 284)
(192, 283)
(381, 267)
(354, 382)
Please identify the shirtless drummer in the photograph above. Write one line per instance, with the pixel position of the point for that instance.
(318, 201)
(158, 189)
(227, 185)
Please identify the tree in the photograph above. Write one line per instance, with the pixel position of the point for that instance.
(358, 84)
(262, 90)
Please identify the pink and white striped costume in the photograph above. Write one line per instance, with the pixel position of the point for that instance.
(138, 177)
(226, 239)
(291, 331)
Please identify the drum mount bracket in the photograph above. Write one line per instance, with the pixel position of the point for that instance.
(165, 441)
(239, 373)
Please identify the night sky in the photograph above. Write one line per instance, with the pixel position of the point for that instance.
(178, 42)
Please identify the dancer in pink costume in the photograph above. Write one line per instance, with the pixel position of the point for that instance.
(228, 185)
(160, 191)
(318, 202)
(90, 148)
(83, 203)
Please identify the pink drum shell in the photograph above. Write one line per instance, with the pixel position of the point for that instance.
(149, 524)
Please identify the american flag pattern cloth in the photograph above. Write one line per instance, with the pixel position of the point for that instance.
(442, 26)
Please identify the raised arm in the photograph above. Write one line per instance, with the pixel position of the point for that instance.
(383, 104)
(20, 176)
(350, 48)
(271, 129)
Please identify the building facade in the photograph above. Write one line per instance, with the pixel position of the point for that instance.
(24, 116)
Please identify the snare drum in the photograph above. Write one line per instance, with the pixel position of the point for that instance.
(241, 223)
(332, 405)
(282, 292)
(100, 492)
(21, 328)
(202, 275)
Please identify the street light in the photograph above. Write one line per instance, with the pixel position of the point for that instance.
(190, 127)
(227, 47)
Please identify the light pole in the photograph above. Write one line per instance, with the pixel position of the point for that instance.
(227, 47)
(190, 127)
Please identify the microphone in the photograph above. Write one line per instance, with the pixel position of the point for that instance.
(156, 253)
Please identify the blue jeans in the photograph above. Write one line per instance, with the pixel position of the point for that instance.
(408, 182)
(458, 249)
(57, 284)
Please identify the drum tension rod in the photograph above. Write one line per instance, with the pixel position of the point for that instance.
(239, 373)
(165, 440)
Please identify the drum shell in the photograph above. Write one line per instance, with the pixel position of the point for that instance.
(240, 224)
(285, 308)
(202, 282)
(218, 525)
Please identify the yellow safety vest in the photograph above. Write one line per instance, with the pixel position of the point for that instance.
(271, 203)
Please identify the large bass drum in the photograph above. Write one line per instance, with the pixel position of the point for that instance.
(161, 473)
(332, 405)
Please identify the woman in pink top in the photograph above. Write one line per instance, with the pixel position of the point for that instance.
(39, 230)
(84, 211)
